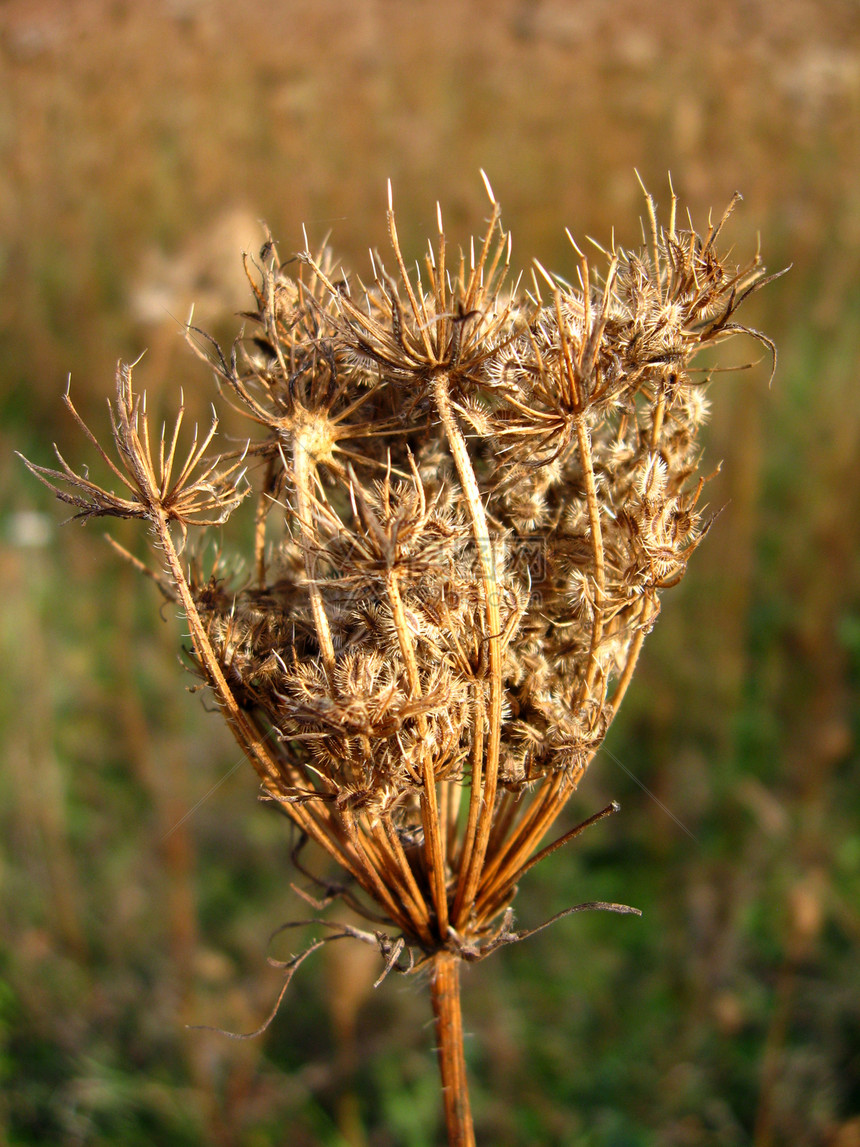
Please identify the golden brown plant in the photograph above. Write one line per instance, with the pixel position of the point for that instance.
(468, 497)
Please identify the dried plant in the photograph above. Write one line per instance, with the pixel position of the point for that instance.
(468, 496)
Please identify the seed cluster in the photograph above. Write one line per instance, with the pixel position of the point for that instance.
(469, 495)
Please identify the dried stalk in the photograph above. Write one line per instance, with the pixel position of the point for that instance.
(445, 995)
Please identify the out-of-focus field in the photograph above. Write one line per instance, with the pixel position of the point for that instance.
(139, 146)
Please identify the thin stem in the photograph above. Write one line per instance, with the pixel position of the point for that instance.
(260, 515)
(302, 476)
(455, 792)
(372, 880)
(483, 797)
(510, 806)
(503, 890)
(415, 900)
(444, 815)
(584, 441)
(429, 809)
(632, 657)
(445, 994)
(252, 744)
(529, 832)
(477, 762)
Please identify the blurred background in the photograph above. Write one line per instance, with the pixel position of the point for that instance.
(140, 147)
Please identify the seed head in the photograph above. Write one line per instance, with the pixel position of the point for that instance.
(468, 500)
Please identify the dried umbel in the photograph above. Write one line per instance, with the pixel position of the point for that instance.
(468, 496)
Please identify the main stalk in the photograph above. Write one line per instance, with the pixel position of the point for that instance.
(445, 993)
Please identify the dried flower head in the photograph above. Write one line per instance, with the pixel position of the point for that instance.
(468, 498)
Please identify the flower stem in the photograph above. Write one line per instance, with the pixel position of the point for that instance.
(445, 993)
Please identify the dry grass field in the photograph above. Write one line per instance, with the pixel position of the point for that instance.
(141, 146)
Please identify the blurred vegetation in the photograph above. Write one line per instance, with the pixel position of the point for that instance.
(139, 146)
